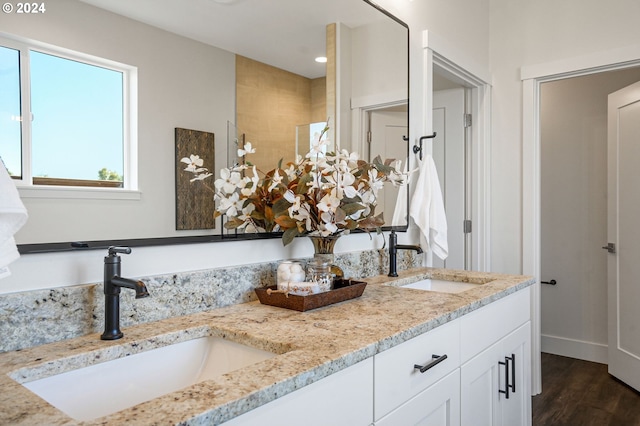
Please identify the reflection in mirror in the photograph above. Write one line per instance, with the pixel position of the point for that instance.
(277, 110)
(189, 81)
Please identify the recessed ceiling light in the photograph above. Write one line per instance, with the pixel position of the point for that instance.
(321, 59)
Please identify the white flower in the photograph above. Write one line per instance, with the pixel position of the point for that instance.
(202, 176)
(375, 183)
(367, 196)
(344, 185)
(254, 180)
(229, 181)
(302, 216)
(318, 149)
(329, 203)
(275, 180)
(194, 162)
(246, 215)
(230, 205)
(247, 149)
(327, 227)
(290, 196)
(350, 159)
(291, 172)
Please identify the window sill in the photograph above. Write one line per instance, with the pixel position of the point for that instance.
(66, 192)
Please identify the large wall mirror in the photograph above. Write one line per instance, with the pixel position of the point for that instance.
(228, 67)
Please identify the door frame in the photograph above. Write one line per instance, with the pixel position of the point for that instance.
(532, 77)
(457, 66)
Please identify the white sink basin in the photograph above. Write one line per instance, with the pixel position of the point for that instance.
(441, 286)
(91, 392)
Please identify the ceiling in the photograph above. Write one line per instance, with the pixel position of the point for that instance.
(288, 34)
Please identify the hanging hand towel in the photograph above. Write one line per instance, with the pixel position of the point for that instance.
(13, 215)
(400, 211)
(427, 209)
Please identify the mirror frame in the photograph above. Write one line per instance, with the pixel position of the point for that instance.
(222, 236)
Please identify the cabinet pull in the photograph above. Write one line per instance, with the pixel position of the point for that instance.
(513, 372)
(436, 359)
(507, 386)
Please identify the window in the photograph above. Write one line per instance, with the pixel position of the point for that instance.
(65, 118)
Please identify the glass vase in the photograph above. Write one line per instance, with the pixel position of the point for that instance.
(323, 250)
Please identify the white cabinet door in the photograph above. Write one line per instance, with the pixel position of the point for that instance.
(479, 388)
(438, 405)
(517, 409)
(343, 398)
(495, 384)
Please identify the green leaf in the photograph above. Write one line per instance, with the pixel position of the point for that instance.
(351, 208)
(281, 206)
(302, 183)
(371, 222)
(257, 215)
(351, 224)
(233, 223)
(340, 215)
(289, 235)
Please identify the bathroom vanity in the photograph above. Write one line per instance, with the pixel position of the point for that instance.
(356, 362)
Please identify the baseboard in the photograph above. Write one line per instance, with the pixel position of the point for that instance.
(588, 351)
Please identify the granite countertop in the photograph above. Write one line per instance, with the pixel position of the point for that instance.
(311, 345)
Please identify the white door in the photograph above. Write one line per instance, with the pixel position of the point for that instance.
(623, 215)
(449, 157)
(388, 129)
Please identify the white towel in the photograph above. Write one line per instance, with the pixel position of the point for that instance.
(427, 210)
(400, 211)
(13, 215)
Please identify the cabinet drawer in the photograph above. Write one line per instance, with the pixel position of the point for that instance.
(438, 405)
(482, 328)
(343, 398)
(396, 380)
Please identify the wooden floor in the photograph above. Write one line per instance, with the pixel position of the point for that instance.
(582, 393)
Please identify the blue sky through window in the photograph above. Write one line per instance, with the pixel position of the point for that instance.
(77, 126)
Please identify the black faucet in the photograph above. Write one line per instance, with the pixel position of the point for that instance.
(393, 250)
(112, 283)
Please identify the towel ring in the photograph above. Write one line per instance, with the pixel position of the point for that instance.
(418, 149)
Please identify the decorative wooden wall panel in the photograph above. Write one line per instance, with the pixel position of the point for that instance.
(194, 201)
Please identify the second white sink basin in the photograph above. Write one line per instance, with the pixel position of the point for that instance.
(441, 286)
(91, 392)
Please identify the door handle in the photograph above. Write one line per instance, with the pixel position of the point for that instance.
(435, 360)
(513, 373)
(507, 385)
(610, 247)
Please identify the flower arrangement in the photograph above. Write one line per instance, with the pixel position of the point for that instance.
(318, 195)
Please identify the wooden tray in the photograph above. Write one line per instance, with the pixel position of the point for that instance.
(346, 289)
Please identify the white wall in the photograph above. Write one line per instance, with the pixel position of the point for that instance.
(573, 138)
(182, 83)
(379, 67)
(527, 33)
